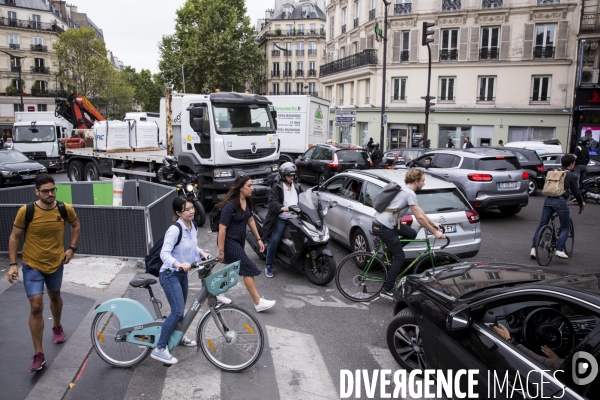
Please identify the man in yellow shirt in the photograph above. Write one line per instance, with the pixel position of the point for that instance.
(43, 257)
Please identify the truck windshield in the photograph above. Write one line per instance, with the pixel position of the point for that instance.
(240, 118)
(26, 134)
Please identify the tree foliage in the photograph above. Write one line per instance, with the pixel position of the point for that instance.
(148, 89)
(214, 42)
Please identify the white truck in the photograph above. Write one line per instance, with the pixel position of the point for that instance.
(38, 136)
(219, 136)
(302, 121)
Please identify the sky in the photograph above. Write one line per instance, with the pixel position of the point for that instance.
(133, 28)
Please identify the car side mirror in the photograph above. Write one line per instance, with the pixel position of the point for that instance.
(459, 319)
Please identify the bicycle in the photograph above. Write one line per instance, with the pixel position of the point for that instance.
(365, 285)
(124, 332)
(548, 238)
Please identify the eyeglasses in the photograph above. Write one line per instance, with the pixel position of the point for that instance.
(48, 191)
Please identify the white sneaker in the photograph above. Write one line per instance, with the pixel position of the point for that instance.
(185, 341)
(561, 254)
(223, 299)
(163, 356)
(264, 304)
(533, 254)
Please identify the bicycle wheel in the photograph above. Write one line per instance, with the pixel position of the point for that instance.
(545, 246)
(439, 258)
(113, 348)
(243, 331)
(570, 240)
(357, 284)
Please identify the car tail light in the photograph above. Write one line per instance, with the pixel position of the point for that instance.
(370, 162)
(407, 219)
(500, 157)
(480, 177)
(472, 216)
(525, 175)
(541, 169)
(334, 163)
(477, 204)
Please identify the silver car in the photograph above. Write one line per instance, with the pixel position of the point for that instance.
(350, 222)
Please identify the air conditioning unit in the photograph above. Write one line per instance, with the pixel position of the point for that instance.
(590, 76)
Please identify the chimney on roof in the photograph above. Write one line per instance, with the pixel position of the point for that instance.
(74, 8)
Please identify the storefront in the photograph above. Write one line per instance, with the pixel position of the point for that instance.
(586, 115)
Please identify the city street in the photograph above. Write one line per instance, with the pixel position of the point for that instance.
(311, 334)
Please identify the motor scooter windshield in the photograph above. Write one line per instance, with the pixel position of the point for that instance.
(307, 206)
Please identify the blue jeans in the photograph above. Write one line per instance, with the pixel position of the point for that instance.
(392, 242)
(175, 285)
(581, 172)
(274, 241)
(34, 280)
(560, 205)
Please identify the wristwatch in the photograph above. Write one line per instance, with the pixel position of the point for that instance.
(511, 341)
(73, 248)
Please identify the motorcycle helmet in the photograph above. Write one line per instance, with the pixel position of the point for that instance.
(287, 168)
(374, 145)
(170, 161)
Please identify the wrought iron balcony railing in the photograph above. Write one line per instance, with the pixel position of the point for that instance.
(40, 70)
(299, 72)
(405, 8)
(14, 46)
(287, 73)
(312, 72)
(26, 24)
(366, 57)
(39, 47)
(542, 2)
(488, 53)
(448, 55)
(404, 55)
(312, 52)
(590, 22)
(451, 5)
(274, 74)
(299, 52)
(543, 52)
(491, 4)
(275, 53)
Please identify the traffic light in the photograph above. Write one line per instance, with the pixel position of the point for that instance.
(426, 33)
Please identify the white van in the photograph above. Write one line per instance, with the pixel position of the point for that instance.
(541, 147)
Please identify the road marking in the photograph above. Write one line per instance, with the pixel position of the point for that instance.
(319, 301)
(300, 370)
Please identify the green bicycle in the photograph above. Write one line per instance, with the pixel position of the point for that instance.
(360, 276)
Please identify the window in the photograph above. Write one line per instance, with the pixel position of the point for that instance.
(313, 29)
(489, 43)
(39, 62)
(499, 164)
(365, 133)
(449, 49)
(312, 88)
(367, 91)
(287, 11)
(42, 85)
(544, 41)
(446, 161)
(287, 71)
(371, 192)
(446, 89)
(335, 186)
(312, 48)
(18, 107)
(399, 90)
(341, 96)
(312, 68)
(300, 30)
(300, 48)
(487, 88)
(289, 29)
(431, 201)
(402, 7)
(404, 45)
(15, 83)
(12, 17)
(451, 5)
(276, 88)
(300, 68)
(288, 88)
(356, 13)
(540, 89)
(299, 89)
(42, 107)
(38, 41)
(343, 52)
(331, 25)
(275, 51)
(275, 71)
(36, 22)
(13, 42)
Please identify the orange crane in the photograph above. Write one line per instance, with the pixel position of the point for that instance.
(78, 110)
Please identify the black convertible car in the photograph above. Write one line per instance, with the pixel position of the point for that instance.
(444, 320)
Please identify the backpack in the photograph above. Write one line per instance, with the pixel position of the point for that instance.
(153, 261)
(385, 197)
(555, 183)
(214, 218)
(30, 210)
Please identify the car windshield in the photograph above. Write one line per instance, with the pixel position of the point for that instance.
(243, 118)
(352, 156)
(12, 157)
(499, 163)
(25, 134)
(440, 200)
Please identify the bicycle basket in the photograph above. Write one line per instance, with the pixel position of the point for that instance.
(224, 279)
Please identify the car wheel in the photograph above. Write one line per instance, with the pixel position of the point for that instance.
(533, 186)
(360, 243)
(405, 342)
(508, 211)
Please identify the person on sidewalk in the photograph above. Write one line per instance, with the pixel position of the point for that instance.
(43, 257)
(236, 213)
(560, 205)
(284, 193)
(173, 277)
(582, 154)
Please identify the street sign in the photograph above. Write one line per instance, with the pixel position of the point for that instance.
(342, 112)
(344, 123)
(345, 118)
(384, 119)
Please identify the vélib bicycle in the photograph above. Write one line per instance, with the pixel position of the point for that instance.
(124, 332)
(360, 276)
(548, 238)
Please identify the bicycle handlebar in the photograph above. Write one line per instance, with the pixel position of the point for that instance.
(447, 239)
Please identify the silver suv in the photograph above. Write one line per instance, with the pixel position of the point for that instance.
(489, 179)
(350, 222)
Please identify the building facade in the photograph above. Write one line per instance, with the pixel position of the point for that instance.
(293, 38)
(501, 70)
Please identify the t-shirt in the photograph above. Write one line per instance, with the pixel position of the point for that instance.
(290, 198)
(403, 200)
(44, 247)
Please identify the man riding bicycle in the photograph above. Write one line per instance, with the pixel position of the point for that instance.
(561, 207)
(387, 226)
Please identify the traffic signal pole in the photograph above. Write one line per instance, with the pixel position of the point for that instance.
(425, 42)
(384, 37)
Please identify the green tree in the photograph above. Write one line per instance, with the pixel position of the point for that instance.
(148, 89)
(214, 42)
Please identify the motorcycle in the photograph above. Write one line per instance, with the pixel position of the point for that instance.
(303, 246)
(590, 189)
(188, 188)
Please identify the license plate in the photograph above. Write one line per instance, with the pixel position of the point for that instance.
(507, 185)
(447, 229)
(257, 181)
(24, 177)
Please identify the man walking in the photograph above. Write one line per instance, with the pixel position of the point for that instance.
(467, 144)
(582, 155)
(43, 258)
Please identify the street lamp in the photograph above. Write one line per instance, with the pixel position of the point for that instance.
(287, 74)
(19, 58)
(384, 37)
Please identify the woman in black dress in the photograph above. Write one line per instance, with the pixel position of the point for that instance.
(236, 213)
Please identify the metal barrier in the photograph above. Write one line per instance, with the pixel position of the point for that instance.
(128, 231)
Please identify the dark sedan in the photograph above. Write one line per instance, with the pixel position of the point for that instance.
(18, 169)
(323, 161)
(451, 318)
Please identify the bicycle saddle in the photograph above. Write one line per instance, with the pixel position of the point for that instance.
(137, 282)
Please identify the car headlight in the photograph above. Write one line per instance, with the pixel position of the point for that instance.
(9, 173)
(189, 187)
(274, 167)
(43, 171)
(223, 173)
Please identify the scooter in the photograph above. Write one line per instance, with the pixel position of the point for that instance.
(303, 246)
(188, 188)
(590, 189)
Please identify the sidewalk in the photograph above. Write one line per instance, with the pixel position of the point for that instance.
(87, 282)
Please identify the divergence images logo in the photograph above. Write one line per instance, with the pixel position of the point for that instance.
(319, 113)
(585, 368)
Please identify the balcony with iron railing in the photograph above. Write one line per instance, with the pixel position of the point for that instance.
(26, 24)
(299, 52)
(14, 46)
(488, 53)
(356, 22)
(40, 70)
(451, 5)
(292, 32)
(312, 52)
(371, 14)
(274, 74)
(299, 73)
(275, 93)
(39, 47)
(287, 73)
(287, 53)
(366, 57)
(275, 53)
(590, 22)
(14, 69)
(543, 52)
(404, 8)
(404, 55)
(344, 28)
(312, 72)
(487, 4)
(448, 55)
(543, 2)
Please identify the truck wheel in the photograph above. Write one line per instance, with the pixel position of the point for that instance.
(90, 172)
(199, 214)
(75, 171)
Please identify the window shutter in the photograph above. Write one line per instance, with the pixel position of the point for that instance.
(370, 41)
(414, 45)
(435, 46)
(528, 42)
(363, 44)
(463, 44)
(474, 56)
(505, 43)
(396, 46)
(561, 40)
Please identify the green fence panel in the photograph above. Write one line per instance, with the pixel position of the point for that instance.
(63, 193)
(103, 194)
